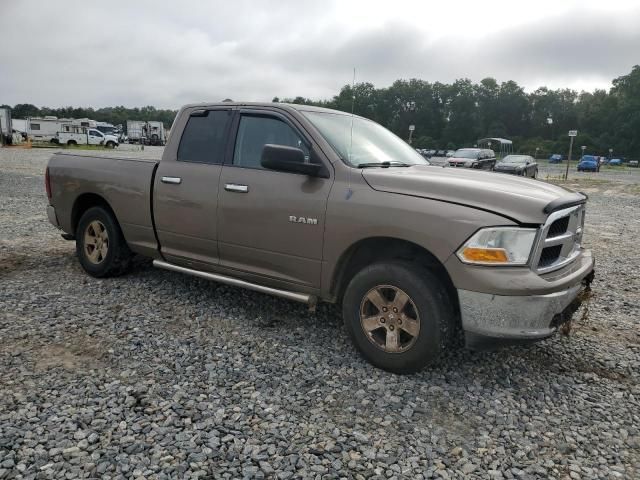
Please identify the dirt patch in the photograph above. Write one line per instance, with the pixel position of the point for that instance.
(78, 353)
(11, 263)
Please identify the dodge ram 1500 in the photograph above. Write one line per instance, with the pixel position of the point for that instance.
(317, 205)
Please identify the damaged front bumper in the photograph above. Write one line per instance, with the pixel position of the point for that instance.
(490, 320)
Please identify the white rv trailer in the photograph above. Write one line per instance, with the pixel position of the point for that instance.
(44, 129)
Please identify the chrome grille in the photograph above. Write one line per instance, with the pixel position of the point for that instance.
(560, 239)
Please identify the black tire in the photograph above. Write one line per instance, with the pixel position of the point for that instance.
(111, 145)
(428, 299)
(116, 258)
(72, 143)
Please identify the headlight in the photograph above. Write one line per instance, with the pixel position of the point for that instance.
(498, 246)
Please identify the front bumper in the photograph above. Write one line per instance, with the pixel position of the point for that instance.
(491, 320)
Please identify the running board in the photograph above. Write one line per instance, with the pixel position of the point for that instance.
(298, 297)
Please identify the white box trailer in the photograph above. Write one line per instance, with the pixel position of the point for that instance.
(19, 125)
(146, 133)
(5, 126)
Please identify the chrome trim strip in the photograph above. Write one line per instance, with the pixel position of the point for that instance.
(298, 297)
(570, 241)
(551, 241)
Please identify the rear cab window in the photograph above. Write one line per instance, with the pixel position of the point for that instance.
(205, 137)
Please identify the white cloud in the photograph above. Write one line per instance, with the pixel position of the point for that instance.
(167, 53)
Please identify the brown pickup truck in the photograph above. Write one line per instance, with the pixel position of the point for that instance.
(316, 205)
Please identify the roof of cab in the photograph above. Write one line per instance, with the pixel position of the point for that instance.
(291, 106)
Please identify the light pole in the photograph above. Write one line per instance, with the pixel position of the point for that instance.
(610, 153)
(537, 148)
(583, 148)
(550, 123)
(411, 129)
(572, 134)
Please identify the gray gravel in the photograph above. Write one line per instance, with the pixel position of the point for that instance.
(159, 375)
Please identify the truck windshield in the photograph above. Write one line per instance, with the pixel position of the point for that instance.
(372, 144)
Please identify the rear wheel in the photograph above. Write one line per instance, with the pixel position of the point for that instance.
(72, 143)
(398, 315)
(100, 245)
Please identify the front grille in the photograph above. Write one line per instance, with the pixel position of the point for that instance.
(560, 239)
(559, 227)
(549, 256)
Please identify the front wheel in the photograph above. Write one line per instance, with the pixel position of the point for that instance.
(398, 315)
(100, 245)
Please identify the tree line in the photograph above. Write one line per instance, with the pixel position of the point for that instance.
(458, 114)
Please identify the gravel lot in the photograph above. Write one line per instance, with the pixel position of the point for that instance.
(159, 375)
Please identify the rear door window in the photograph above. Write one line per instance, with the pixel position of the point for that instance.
(204, 137)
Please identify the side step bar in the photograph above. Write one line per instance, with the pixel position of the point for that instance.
(298, 297)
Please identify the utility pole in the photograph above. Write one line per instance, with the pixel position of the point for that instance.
(572, 135)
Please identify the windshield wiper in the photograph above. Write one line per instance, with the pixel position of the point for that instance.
(384, 165)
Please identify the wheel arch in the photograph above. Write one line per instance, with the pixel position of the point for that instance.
(376, 249)
(86, 201)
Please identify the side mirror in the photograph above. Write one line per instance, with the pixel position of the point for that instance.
(289, 159)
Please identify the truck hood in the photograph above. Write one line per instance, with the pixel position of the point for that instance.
(521, 199)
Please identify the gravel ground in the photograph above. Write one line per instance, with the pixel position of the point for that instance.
(160, 375)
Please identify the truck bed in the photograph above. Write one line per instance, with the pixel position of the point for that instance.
(125, 184)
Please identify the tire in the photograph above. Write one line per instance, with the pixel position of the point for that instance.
(535, 174)
(110, 255)
(111, 145)
(428, 306)
(72, 143)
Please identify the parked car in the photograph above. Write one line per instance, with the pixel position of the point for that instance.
(633, 163)
(523, 165)
(450, 153)
(555, 158)
(273, 198)
(588, 163)
(482, 158)
(90, 137)
(615, 162)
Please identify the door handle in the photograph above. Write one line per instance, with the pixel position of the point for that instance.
(172, 180)
(234, 187)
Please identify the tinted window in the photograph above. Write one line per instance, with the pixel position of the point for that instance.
(255, 132)
(203, 139)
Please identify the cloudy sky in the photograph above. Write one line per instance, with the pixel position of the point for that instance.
(168, 52)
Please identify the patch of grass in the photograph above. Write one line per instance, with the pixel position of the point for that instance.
(68, 147)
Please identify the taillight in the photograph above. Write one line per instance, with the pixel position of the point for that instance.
(47, 183)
